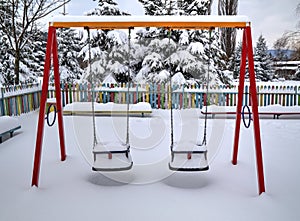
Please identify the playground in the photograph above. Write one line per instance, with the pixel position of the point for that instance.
(132, 162)
(70, 190)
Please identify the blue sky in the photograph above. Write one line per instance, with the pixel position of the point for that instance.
(271, 18)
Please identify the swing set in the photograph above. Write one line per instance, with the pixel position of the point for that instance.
(178, 152)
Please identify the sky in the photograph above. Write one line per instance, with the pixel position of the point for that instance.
(271, 18)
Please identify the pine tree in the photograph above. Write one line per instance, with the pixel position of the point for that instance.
(117, 44)
(6, 62)
(157, 59)
(192, 7)
(262, 61)
(235, 61)
(193, 44)
(6, 52)
(106, 7)
(160, 7)
(33, 56)
(102, 46)
(68, 50)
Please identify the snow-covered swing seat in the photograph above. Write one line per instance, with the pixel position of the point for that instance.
(112, 155)
(189, 155)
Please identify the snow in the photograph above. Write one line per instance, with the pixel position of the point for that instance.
(7, 123)
(261, 109)
(120, 89)
(117, 36)
(16, 92)
(109, 79)
(69, 190)
(196, 48)
(287, 62)
(110, 106)
(178, 79)
(204, 90)
(162, 76)
(145, 18)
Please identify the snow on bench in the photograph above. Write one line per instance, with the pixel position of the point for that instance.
(110, 108)
(273, 110)
(8, 125)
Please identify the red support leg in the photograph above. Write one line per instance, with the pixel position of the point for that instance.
(239, 101)
(40, 131)
(51, 50)
(254, 102)
(58, 99)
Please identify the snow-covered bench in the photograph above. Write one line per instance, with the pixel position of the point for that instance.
(85, 108)
(272, 110)
(8, 125)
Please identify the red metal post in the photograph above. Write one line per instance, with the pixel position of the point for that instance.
(51, 50)
(58, 98)
(259, 158)
(240, 100)
(247, 52)
(40, 131)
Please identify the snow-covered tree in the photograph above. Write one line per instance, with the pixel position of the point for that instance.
(106, 7)
(155, 59)
(104, 50)
(117, 44)
(208, 50)
(32, 53)
(6, 52)
(176, 7)
(6, 62)
(235, 61)
(160, 7)
(191, 50)
(194, 7)
(262, 61)
(22, 16)
(68, 50)
(33, 56)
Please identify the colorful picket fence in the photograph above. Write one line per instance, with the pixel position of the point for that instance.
(158, 95)
(22, 99)
(16, 100)
(183, 96)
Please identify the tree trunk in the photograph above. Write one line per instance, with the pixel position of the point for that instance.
(17, 66)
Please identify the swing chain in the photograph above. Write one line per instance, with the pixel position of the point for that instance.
(207, 87)
(170, 96)
(128, 87)
(92, 86)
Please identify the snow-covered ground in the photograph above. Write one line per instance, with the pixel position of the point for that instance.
(69, 190)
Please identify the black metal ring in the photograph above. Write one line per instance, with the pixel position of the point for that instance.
(48, 112)
(243, 116)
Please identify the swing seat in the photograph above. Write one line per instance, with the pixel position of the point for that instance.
(187, 156)
(112, 157)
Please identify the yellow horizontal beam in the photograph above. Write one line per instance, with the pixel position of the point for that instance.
(173, 22)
